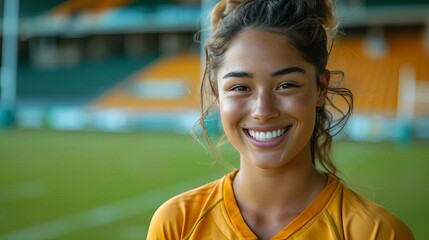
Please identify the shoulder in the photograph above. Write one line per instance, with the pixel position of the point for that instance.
(364, 219)
(174, 218)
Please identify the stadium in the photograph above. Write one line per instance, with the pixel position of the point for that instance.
(98, 99)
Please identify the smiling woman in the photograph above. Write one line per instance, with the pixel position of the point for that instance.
(280, 94)
(266, 71)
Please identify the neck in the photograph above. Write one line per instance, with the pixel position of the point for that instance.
(273, 189)
(285, 191)
(270, 199)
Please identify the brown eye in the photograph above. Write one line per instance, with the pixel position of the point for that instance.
(240, 89)
(287, 85)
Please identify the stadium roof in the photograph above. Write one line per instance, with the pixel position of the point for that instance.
(40, 18)
(35, 8)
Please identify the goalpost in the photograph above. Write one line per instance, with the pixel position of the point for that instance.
(9, 63)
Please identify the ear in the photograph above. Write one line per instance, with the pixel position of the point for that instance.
(324, 79)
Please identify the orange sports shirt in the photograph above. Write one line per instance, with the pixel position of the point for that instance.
(211, 212)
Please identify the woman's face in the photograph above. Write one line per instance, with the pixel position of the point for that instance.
(267, 98)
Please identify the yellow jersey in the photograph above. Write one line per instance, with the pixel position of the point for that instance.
(211, 212)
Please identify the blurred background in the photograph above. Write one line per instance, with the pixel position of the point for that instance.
(98, 98)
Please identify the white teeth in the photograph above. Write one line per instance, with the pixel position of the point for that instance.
(266, 136)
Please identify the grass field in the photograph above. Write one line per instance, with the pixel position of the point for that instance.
(70, 185)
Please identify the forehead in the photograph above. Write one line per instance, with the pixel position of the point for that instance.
(254, 48)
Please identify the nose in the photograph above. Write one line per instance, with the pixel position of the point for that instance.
(264, 106)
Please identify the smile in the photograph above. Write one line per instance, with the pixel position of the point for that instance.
(265, 136)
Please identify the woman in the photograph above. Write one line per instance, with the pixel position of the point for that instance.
(266, 71)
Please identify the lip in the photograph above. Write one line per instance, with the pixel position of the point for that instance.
(267, 144)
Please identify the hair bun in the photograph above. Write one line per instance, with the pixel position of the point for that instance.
(218, 13)
(323, 9)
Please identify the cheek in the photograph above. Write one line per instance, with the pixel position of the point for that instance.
(301, 106)
(231, 111)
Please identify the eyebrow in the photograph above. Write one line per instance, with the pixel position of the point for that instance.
(238, 75)
(283, 71)
(287, 70)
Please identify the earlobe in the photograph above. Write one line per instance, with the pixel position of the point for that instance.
(323, 87)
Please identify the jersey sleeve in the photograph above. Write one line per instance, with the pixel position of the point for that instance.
(364, 219)
(166, 222)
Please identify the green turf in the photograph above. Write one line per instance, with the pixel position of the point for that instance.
(394, 175)
(48, 175)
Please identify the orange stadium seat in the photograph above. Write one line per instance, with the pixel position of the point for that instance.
(374, 81)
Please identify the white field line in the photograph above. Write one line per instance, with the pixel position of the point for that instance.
(102, 215)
